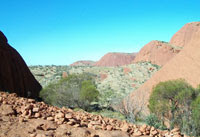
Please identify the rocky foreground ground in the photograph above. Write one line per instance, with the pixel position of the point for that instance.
(22, 117)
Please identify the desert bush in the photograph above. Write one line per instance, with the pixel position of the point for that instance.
(172, 101)
(110, 114)
(152, 120)
(167, 97)
(48, 94)
(88, 91)
(108, 98)
(74, 91)
(131, 112)
(196, 116)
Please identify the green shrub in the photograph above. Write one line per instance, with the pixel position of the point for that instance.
(168, 97)
(110, 114)
(48, 94)
(196, 116)
(108, 98)
(75, 91)
(172, 101)
(89, 91)
(152, 120)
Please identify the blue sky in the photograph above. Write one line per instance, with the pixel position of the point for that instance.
(60, 32)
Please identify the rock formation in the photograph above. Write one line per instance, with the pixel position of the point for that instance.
(157, 52)
(116, 59)
(184, 65)
(83, 63)
(15, 76)
(185, 34)
(22, 117)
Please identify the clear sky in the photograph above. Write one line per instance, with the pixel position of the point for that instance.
(60, 32)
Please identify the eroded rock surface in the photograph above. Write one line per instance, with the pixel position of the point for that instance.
(157, 52)
(185, 34)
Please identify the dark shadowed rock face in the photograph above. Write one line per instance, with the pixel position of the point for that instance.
(15, 76)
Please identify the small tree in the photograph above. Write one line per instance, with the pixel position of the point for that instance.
(88, 92)
(169, 99)
(73, 91)
(48, 94)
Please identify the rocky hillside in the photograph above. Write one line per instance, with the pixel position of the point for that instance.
(115, 81)
(22, 117)
(157, 52)
(15, 76)
(115, 59)
(185, 34)
(184, 65)
(83, 63)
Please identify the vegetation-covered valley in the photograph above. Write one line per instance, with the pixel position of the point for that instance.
(98, 90)
(113, 83)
